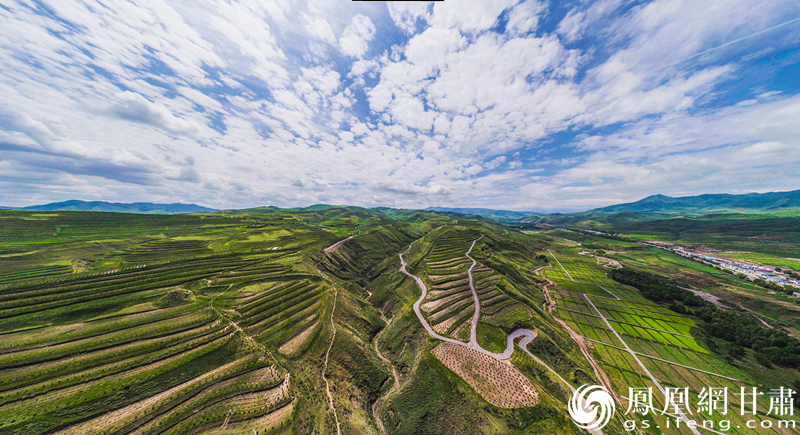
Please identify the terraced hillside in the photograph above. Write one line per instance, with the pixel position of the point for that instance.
(473, 382)
(449, 304)
(304, 321)
(180, 324)
(138, 342)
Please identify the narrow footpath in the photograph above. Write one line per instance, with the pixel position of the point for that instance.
(376, 407)
(328, 353)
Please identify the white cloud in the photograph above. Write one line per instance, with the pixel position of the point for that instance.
(318, 26)
(495, 90)
(134, 107)
(524, 17)
(355, 39)
(361, 67)
(494, 163)
(410, 112)
(406, 14)
(469, 15)
(572, 25)
(473, 169)
(111, 100)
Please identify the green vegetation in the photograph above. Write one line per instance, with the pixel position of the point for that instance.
(773, 345)
(172, 324)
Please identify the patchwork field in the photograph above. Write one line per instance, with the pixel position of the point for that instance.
(640, 343)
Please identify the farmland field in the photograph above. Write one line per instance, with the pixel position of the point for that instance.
(301, 321)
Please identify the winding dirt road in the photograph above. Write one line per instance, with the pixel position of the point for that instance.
(526, 334)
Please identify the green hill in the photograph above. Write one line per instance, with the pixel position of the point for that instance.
(712, 203)
(117, 207)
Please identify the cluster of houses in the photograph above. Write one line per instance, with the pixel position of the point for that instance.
(767, 273)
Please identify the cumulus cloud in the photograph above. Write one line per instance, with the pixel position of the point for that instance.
(356, 36)
(491, 103)
(469, 15)
(524, 17)
(407, 14)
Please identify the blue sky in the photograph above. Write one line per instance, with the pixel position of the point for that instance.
(534, 105)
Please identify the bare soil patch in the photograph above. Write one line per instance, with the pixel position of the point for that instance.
(336, 245)
(297, 342)
(696, 279)
(436, 303)
(450, 284)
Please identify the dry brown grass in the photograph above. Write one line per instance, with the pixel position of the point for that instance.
(432, 305)
(499, 382)
(336, 245)
(451, 284)
(441, 328)
(448, 263)
(297, 342)
(260, 424)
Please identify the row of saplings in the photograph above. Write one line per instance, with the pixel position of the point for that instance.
(771, 345)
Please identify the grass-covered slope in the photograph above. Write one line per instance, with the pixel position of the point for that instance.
(300, 321)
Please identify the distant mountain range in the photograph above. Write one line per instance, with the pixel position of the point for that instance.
(118, 207)
(712, 203)
(502, 215)
(652, 207)
(661, 207)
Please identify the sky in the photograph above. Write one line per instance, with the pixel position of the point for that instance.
(535, 105)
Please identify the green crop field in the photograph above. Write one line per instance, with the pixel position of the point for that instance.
(245, 320)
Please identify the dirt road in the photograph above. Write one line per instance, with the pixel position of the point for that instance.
(526, 334)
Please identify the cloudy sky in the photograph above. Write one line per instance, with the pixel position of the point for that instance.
(538, 105)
